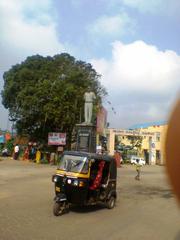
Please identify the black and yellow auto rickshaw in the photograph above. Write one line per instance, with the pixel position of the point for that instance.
(84, 179)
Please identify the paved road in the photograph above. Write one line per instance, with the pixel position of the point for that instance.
(145, 209)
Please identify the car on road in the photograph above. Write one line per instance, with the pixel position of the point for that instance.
(133, 160)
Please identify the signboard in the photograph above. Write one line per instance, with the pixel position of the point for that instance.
(83, 140)
(133, 133)
(2, 139)
(7, 136)
(86, 138)
(60, 149)
(55, 138)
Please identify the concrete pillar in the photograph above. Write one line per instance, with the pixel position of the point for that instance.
(152, 151)
(162, 146)
(111, 141)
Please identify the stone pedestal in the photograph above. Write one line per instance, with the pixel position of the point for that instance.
(86, 138)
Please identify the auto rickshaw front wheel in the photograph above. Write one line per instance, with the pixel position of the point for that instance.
(111, 202)
(59, 208)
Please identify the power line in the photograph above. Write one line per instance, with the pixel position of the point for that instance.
(112, 108)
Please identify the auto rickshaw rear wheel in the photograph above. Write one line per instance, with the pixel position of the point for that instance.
(59, 208)
(111, 202)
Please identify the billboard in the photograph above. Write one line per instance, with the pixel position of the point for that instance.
(55, 138)
(2, 138)
(101, 120)
(124, 132)
(7, 136)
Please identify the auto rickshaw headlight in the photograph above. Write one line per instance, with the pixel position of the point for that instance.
(75, 182)
(55, 178)
(69, 181)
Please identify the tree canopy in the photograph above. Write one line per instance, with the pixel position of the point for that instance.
(45, 94)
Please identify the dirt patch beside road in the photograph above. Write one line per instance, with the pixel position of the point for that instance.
(145, 209)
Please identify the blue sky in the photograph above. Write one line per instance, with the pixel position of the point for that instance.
(133, 44)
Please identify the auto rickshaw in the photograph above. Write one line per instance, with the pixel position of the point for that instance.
(84, 179)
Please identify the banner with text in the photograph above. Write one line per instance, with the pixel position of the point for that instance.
(2, 139)
(101, 120)
(55, 138)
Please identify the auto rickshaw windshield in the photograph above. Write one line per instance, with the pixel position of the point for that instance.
(71, 163)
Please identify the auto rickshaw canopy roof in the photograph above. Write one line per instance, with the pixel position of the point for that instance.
(106, 158)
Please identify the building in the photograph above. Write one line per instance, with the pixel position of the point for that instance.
(152, 137)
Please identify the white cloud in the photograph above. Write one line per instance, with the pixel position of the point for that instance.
(141, 80)
(160, 7)
(116, 25)
(167, 7)
(27, 28)
(144, 5)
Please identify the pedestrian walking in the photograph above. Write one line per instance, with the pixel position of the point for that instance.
(16, 152)
(138, 169)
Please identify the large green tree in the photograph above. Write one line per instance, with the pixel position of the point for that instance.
(45, 94)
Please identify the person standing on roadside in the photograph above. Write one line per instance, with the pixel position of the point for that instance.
(117, 157)
(26, 154)
(138, 169)
(16, 152)
(33, 153)
(38, 156)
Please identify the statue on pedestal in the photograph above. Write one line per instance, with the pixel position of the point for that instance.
(86, 131)
(89, 97)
